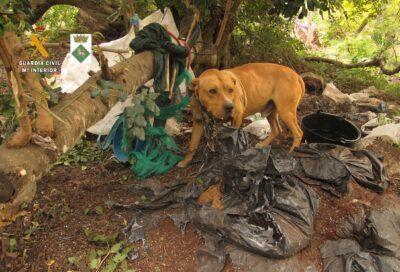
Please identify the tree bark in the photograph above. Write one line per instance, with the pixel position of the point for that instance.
(93, 15)
(375, 62)
(21, 168)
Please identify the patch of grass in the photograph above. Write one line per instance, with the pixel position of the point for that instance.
(394, 90)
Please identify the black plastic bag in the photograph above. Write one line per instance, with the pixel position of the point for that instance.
(271, 216)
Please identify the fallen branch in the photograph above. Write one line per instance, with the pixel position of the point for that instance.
(375, 62)
(78, 111)
(66, 45)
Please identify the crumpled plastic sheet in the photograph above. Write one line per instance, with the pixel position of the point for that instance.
(333, 166)
(267, 210)
(269, 215)
(212, 256)
(377, 244)
(243, 260)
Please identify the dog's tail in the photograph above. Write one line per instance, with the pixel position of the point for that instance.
(303, 86)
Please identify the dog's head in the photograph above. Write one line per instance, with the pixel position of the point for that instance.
(218, 91)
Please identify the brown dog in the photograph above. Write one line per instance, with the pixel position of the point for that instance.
(233, 94)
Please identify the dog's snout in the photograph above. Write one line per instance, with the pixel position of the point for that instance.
(229, 106)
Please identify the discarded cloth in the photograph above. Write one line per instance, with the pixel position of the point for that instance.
(155, 38)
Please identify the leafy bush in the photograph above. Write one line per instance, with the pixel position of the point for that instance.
(261, 37)
(59, 21)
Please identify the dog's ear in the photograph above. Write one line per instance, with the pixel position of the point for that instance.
(194, 85)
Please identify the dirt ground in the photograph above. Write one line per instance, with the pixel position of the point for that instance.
(53, 228)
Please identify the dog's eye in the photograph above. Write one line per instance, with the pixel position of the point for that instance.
(230, 90)
(213, 91)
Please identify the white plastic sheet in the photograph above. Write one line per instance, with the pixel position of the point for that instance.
(166, 19)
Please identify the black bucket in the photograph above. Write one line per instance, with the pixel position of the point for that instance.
(320, 127)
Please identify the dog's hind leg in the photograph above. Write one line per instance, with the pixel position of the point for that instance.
(275, 129)
(290, 119)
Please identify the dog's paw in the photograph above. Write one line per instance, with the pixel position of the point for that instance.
(182, 164)
(19, 139)
(260, 145)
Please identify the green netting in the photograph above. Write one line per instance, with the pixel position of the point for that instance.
(158, 156)
(159, 153)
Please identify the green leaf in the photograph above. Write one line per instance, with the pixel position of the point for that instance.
(140, 121)
(105, 93)
(100, 239)
(129, 122)
(115, 248)
(138, 108)
(74, 260)
(99, 210)
(153, 96)
(87, 231)
(12, 245)
(94, 93)
(111, 266)
(94, 261)
(129, 111)
(101, 252)
(122, 97)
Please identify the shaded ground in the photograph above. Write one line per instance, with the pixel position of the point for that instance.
(58, 212)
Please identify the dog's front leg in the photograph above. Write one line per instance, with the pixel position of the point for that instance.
(237, 120)
(197, 132)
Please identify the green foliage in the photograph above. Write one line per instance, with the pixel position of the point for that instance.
(31, 230)
(394, 90)
(13, 14)
(261, 37)
(116, 257)
(12, 245)
(299, 7)
(59, 21)
(144, 105)
(105, 87)
(81, 154)
(96, 210)
(100, 239)
(361, 29)
(74, 260)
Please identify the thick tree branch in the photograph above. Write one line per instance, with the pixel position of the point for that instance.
(375, 62)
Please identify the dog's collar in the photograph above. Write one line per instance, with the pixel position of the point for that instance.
(203, 109)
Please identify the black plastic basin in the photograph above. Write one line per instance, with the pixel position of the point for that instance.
(321, 127)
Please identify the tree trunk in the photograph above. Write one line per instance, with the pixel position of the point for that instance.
(93, 15)
(21, 168)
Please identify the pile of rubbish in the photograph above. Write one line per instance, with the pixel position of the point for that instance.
(262, 203)
(365, 106)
